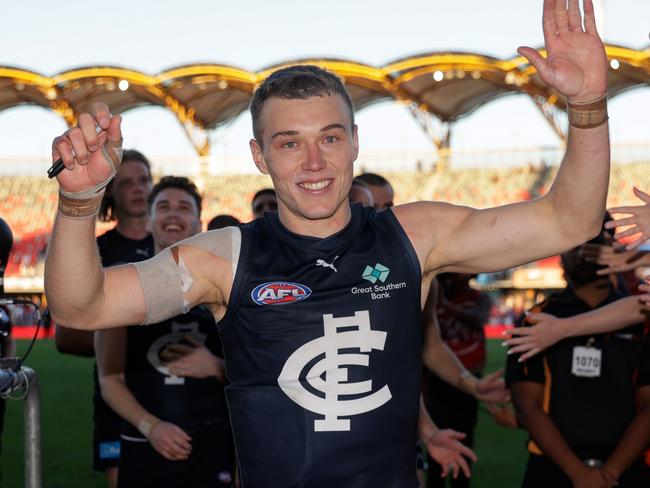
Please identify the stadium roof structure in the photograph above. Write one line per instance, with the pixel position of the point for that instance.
(438, 88)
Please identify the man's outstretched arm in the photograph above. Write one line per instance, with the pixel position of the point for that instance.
(469, 240)
(440, 360)
(548, 329)
(83, 295)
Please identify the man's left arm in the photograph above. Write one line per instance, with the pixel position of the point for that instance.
(469, 240)
(439, 359)
(635, 439)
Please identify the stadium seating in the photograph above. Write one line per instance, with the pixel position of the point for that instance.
(28, 203)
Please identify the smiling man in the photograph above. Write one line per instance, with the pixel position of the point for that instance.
(324, 382)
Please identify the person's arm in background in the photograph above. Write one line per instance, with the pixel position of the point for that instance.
(615, 259)
(547, 329)
(475, 317)
(444, 445)
(194, 360)
(638, 220)
(168, 439)
(74, 341)
(439, 359)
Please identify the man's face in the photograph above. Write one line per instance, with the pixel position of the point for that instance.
(130, 189)
(382, 195)
(174, 217)
(264, 203)
(308, 150)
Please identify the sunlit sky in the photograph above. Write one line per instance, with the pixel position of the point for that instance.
(51, 37)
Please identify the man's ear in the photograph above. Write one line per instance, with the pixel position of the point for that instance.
(258, 156)
(355, 140)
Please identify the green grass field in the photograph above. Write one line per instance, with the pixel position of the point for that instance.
(66, 391)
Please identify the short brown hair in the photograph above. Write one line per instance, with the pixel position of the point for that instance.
(179, 182)
(296, 82)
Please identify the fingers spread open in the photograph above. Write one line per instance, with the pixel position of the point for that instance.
(548, 21)
(590, 18)
(535, 58)
(642, 195)
(561, 17)
(575, 19)
(627, 233)
(529, 354)
(520, 331)
(465, 467)
(626, 209)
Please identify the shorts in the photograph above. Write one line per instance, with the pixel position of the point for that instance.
(211, 463)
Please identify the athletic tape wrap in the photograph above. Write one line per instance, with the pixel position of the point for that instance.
(146, 424)
(80, 208)
(86, 203)
(165, 278)
(589, 114)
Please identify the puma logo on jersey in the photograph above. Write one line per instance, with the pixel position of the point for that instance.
(143, 252)
(325, 264)
(329, 374)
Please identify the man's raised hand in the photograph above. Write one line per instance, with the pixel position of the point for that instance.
(91, 151)
(575, 63)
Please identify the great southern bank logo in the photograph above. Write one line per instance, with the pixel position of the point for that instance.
(379, 272)
(279, 293)
(323, 363)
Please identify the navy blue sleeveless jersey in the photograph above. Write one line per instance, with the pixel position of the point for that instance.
(192, 404)
(322, 342)
(116, 249)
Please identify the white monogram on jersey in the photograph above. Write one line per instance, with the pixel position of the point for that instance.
(334, 382)
(178, 333)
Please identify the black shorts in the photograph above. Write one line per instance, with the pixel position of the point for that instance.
(106, 433)
(211, 463)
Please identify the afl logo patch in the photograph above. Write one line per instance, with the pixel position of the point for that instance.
(279, 293)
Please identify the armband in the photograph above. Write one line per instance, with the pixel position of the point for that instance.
(587, 115)
(166, 279)
(146, 424)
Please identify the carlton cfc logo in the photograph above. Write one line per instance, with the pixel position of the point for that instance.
(279, 293)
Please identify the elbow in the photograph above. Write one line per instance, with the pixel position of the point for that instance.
(73, 321)
(578, 224)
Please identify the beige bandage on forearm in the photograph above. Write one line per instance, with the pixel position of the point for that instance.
(86, 203)
(165, 278)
